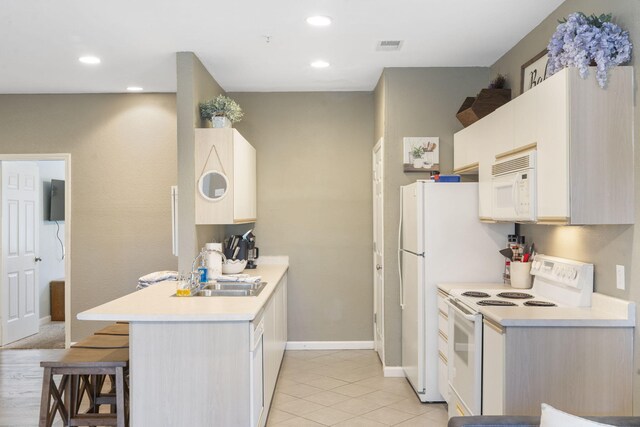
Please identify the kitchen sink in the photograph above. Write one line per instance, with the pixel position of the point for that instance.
(231, 289)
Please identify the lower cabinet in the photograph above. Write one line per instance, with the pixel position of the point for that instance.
(443, 346)
(207, 373)
(274, 341)
(582, 370)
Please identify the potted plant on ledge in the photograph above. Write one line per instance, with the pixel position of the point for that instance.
(222, 111)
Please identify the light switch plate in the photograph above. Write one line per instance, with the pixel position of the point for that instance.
(620, 276)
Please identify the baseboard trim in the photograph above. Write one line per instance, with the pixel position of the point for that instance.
(45, 319)
(393, 371)
(329, 345)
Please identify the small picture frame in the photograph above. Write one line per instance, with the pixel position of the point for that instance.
(534, 71)
(428, 148)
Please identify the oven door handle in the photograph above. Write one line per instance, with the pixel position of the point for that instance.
(460, 310)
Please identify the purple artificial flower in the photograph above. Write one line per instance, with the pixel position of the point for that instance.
(581, 41)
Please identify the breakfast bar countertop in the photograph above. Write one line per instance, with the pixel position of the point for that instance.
(159, 303)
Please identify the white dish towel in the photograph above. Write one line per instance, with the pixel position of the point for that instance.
(238, 278)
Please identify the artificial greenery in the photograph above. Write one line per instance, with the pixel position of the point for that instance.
(222, 106)
(499, 82)
(418, 151)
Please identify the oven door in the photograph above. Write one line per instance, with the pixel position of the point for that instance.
(465, 351)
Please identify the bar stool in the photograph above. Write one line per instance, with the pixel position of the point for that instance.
(73, 364)
(92, 385)
(115, 329)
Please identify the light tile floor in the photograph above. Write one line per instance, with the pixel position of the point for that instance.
(346, 388)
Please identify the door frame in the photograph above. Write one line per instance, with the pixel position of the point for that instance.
(66, 157)
(378, 320)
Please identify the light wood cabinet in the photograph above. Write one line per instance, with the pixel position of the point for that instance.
(585, 149)
(228, 152)
(275, 339)
(581, 370)
(583, 136)
(465, 152)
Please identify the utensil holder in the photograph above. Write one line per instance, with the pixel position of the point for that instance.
(520, 275)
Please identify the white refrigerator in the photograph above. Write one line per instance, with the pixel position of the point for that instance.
(440, 240)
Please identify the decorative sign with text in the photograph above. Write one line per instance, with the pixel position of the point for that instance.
(534, 71)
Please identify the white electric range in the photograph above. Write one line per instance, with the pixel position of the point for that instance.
(558, 283)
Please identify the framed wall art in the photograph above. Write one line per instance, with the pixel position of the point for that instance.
(421, 154)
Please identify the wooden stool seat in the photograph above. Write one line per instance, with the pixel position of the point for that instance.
(115, 329)
(103, 342)
(82, 372)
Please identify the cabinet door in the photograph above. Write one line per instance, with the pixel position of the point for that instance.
(244, 168)
(553, 149)
(500, 130)
(270, 351)
(525, 119)
(465, 149)
(482, 138)
(493, 367)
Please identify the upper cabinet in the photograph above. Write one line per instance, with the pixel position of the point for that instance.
(225, 172)
(583, 136)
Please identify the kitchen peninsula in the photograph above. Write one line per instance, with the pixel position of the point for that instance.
(202, 360)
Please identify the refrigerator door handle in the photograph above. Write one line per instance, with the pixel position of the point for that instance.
(400, 254)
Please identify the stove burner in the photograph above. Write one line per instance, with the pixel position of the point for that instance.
(515, 295)
(495, 302)
(476, 294)
(539, 304)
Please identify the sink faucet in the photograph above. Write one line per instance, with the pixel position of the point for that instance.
(195, 274)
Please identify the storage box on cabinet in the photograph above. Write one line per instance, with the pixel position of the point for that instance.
(227, 152)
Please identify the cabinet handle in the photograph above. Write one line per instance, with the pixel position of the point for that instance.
(378, 267)
(498, 328)
(517, 150)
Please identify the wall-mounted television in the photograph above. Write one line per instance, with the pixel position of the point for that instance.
(56, 205)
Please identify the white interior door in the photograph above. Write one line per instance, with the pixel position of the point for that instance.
(378, 249)
(20, 244)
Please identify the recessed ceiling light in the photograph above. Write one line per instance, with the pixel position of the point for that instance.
(89, 60)
(134, 89)
(319, 64)
(319, 21)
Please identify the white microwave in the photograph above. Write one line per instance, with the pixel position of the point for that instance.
(513, 188)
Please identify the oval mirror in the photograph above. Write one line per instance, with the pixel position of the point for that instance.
(213, 185)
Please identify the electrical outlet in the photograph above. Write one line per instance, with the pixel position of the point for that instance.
(620, 276)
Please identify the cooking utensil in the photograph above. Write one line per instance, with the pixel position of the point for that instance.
(507, 253)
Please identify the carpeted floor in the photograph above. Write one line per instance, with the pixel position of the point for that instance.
(51, 336)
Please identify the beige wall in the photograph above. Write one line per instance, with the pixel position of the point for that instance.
(123, 162)
(195, 85)
(605, 246)
(417, 102)
(314, 204)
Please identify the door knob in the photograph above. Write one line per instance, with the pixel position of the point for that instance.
(38, 259)
(378, 267)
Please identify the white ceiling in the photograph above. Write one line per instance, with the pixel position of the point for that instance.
(41, 41)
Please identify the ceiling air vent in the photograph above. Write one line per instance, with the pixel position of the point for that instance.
(389, 45)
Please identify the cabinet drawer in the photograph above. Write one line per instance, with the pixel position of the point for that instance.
(443, 343)
(442, 305)
(443, 322)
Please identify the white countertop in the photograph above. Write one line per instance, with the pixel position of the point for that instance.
(605, 311)
(159, 303)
